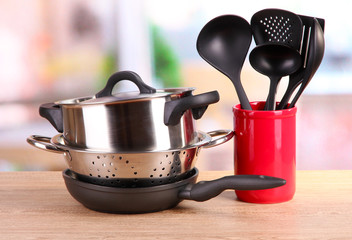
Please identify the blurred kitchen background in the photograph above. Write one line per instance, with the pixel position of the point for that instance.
(56, 49)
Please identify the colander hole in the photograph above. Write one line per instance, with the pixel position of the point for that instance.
(127, 161)
(152, 181)
(184, 152)
(168, 174)
(161, 162)
(169, 162)
(104, 156)
(93, 162)
(167, 155)
(163, 169)
(98, 169)
(135, 173)
(103, 164)
(115, 168)
(113, 175)
(173, 153)
(98, 157)
(108, 170)
(120, 158)
(151, 176)
(132, 167)
(90, 174)
(99, 176)
(160, 175)
(112, 156)
(154, 169)
(107, 176)
(111, 164)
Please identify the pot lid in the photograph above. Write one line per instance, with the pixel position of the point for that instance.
(122, 97)
(145, 92)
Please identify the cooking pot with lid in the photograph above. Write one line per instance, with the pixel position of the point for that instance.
(146, 120)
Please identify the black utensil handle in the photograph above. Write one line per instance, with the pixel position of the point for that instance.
(270, 101)
(206, 190)
(174, 109)
(298, 94)
(53, 113)
(242, 96)
(292, 85)
(124, 75)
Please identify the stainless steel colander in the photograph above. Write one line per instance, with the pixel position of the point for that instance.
(131, 169)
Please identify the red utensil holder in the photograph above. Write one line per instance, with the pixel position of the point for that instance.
(265, 144)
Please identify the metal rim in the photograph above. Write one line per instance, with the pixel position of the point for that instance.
(58, 141)
(160, 93)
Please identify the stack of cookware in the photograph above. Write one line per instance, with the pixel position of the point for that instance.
(135, 152)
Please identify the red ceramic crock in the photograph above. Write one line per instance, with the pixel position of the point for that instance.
(265, 144)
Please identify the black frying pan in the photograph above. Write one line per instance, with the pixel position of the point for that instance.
(161, 197)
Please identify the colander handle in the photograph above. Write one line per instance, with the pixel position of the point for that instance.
(124, 75)
(44, 144)
(219, 137)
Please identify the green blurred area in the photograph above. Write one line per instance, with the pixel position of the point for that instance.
(166, 63)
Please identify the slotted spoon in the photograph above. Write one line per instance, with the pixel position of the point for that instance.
(277, 34)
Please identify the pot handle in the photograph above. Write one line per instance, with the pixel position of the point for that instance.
(206, 190)
(44, 144)
(174, 109)
(124, 75)
(219, 137)
(52, 112)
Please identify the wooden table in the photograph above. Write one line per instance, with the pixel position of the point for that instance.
(36, 205)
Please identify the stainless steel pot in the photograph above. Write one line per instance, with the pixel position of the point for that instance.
(147, 120)
(134, 168)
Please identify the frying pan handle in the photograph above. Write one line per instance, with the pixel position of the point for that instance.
(206, 190)
(219, 137)
(174, 109)
(44, 144)
(52, 112)
(124, 75)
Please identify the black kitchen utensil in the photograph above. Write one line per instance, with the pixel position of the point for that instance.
(296, 78)
(277, 34)
(314, 58)
(275, 61)
(158, 198)
(223, 43)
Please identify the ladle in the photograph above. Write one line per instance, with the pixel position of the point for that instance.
(223, 43)
(275, 61)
